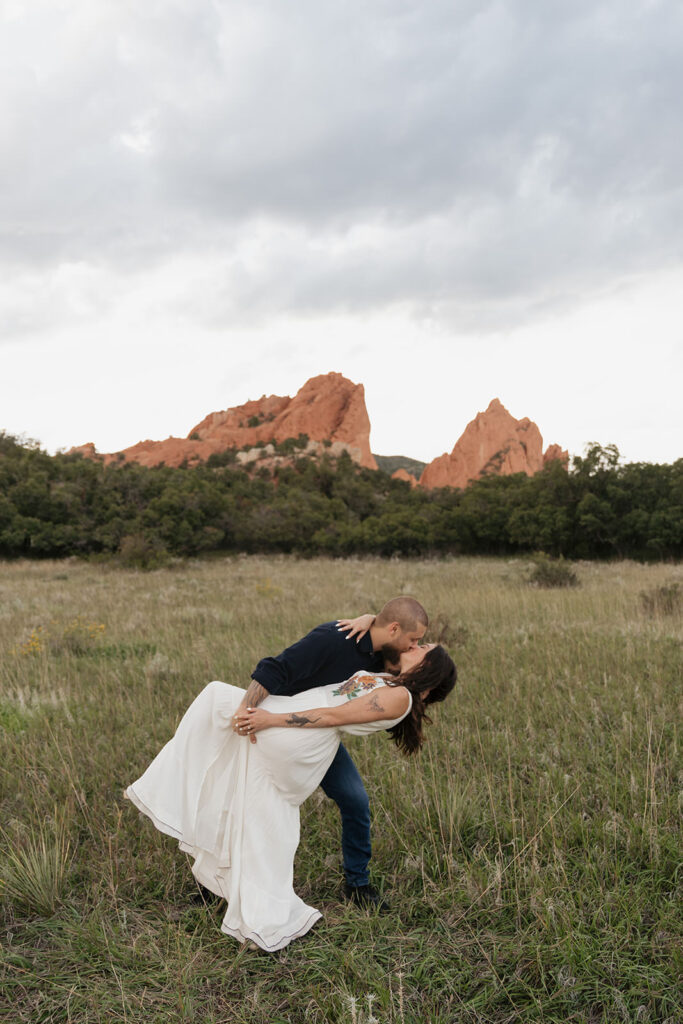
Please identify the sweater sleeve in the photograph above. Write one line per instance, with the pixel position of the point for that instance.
(300, 661)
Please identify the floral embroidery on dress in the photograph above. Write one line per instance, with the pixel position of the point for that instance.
(356, 685)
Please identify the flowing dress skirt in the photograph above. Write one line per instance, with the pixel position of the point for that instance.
(234, 807)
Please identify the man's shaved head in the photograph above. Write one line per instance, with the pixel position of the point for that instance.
(408, 612)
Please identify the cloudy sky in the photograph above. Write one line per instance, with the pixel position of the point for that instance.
(202, 201)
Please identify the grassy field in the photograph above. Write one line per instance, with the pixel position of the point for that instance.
(530, 852)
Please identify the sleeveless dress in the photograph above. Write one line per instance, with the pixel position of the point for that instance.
(234, 805)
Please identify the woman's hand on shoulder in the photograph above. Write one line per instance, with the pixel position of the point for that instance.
(357, 627)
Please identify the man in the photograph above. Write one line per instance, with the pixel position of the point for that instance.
(326, 655)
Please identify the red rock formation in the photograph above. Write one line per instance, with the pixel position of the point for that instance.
(553, 452)
(327, 408)
(403, 474)
(493, 442)
(88, 450)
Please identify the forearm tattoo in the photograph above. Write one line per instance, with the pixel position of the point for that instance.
(301, 720)
(375, 704)
(255, 694)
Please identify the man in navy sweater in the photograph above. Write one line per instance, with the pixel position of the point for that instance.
(329, 655)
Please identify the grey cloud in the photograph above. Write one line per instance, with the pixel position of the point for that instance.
(505, 152)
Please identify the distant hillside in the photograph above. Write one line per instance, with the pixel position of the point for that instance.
(390, 463)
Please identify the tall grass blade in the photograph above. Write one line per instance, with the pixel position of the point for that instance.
(34, 870)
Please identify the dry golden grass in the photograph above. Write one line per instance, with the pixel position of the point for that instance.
(530, 853)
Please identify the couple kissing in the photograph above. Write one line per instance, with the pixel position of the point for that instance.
(229, 783)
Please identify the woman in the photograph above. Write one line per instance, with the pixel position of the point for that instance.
(234, 806)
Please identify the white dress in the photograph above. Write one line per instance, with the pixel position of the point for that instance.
(234, 805)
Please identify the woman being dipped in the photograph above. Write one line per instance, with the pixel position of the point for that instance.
(234, 806)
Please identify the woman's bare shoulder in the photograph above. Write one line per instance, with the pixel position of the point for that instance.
(392, 698)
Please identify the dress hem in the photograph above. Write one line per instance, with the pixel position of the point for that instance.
(235, 933)
(168, 830)
(281, 943)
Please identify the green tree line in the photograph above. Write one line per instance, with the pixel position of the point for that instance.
(52, 506)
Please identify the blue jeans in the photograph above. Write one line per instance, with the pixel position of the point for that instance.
(343, 784)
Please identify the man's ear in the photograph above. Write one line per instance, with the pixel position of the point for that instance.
(394, 629)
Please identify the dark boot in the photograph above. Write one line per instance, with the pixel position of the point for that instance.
(366, 897)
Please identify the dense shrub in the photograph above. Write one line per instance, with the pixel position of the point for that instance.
(552, 572)
(137, 551)
(66, 504)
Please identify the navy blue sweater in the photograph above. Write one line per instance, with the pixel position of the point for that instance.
(322, 656)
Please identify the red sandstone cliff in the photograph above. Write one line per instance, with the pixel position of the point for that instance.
(327, 408)
(493, 442)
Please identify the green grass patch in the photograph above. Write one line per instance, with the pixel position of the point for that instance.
(531, 853)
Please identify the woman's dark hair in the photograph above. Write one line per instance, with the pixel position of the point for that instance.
(436, 673)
